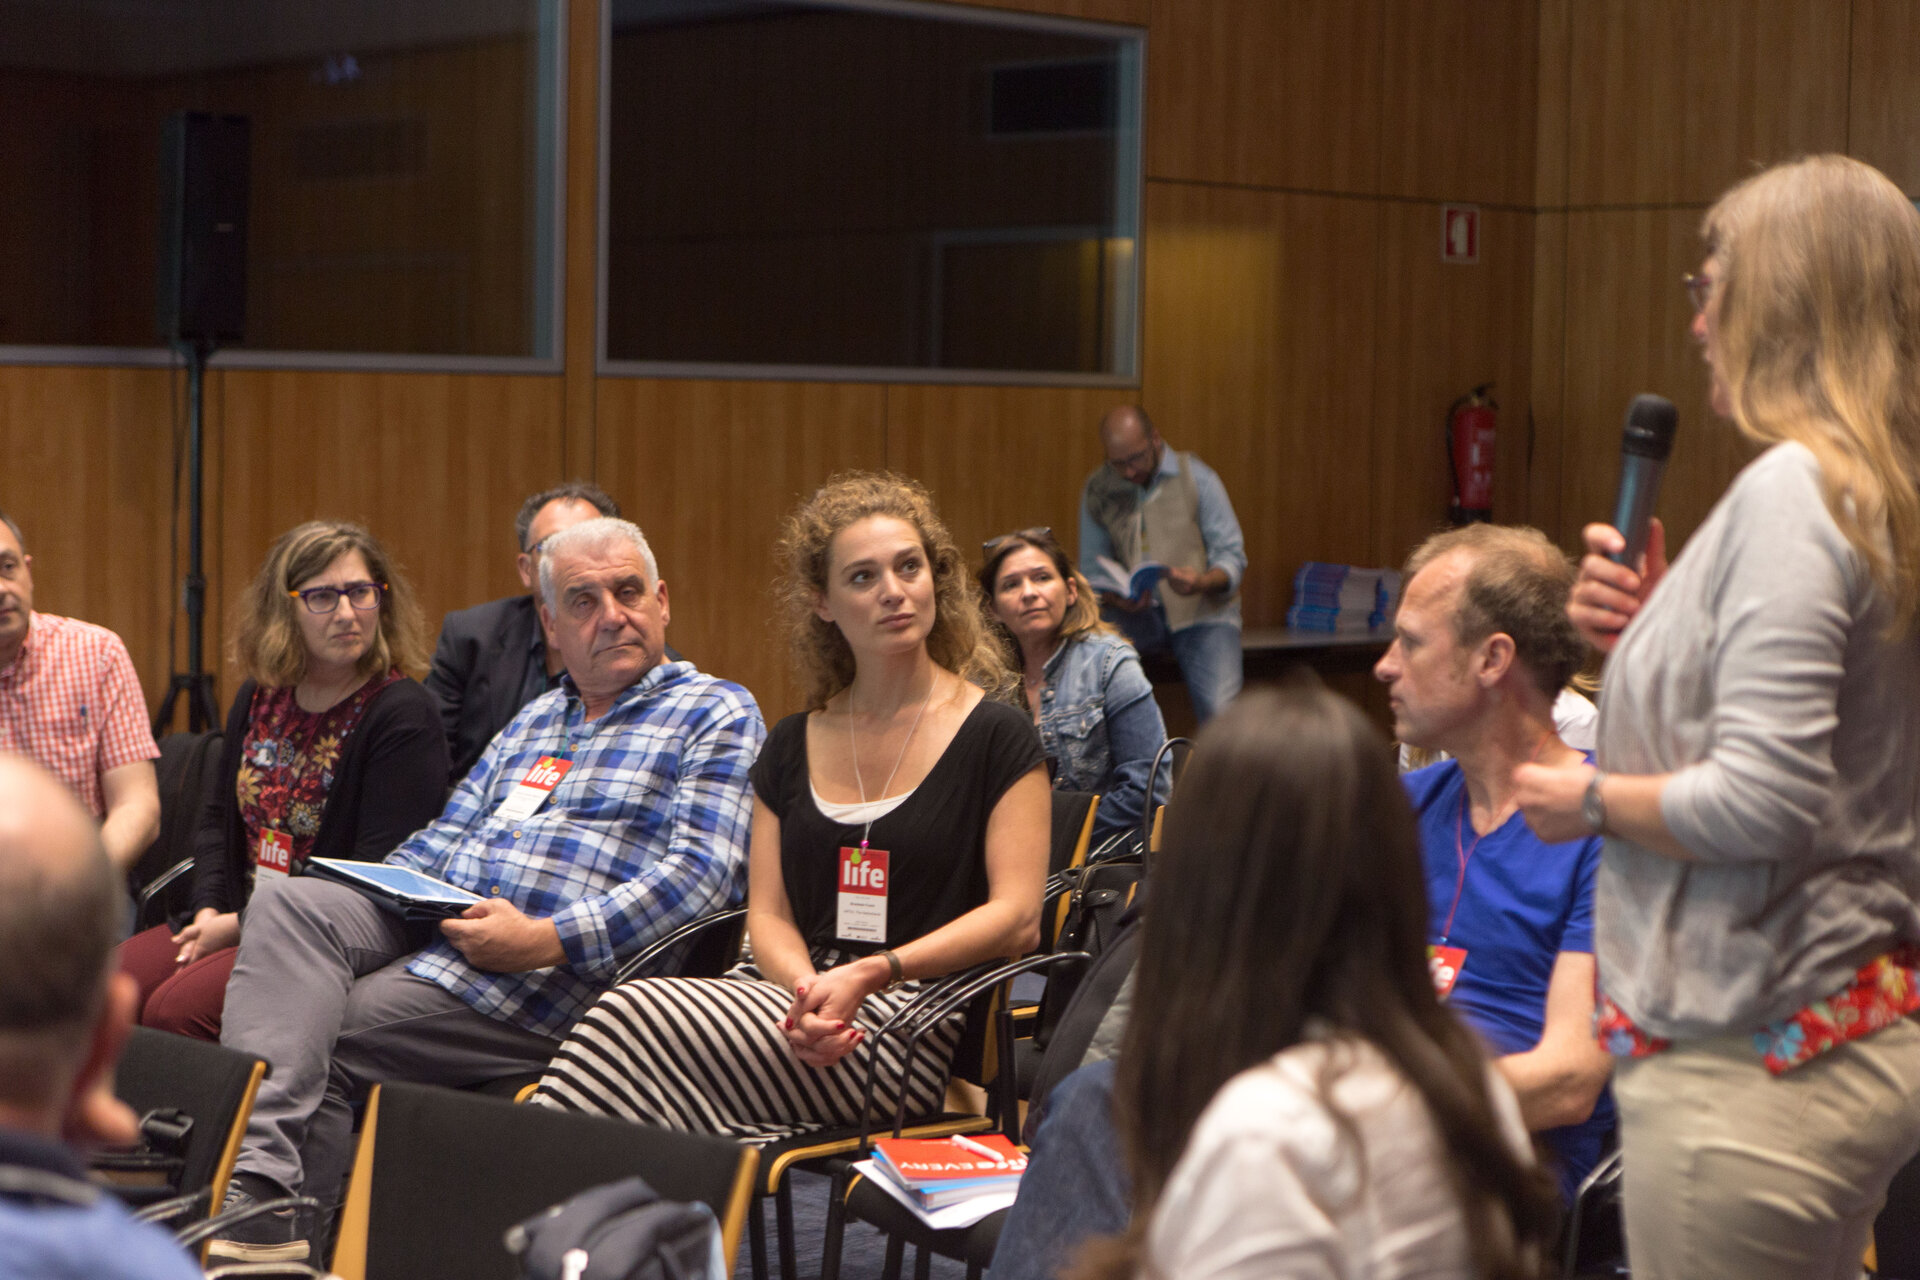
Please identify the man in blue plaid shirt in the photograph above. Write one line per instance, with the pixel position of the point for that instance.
(609, 812)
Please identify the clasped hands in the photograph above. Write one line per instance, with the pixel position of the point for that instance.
(819, 1024)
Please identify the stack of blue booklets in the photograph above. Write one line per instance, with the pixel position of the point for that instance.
(1342, 597)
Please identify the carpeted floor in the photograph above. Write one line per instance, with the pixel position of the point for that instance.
(863, 1256)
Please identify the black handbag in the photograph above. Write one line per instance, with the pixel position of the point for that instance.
(620, 1231)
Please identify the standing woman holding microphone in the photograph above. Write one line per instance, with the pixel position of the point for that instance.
(1756, 924)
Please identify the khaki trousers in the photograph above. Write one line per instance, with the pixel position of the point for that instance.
(1731, 1171)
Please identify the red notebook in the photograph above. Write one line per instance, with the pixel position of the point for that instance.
(924, 1162)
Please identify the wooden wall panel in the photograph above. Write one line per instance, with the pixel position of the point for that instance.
(710, 470)
(999, 458)
(1547, 411)
(1674, 100)
(1260, 93)
(435, 465)
(1627, 321)
(86, 479)
(1883, 117)
(1553, 62)
(1260, 357)
(1443, 329)
(1458, 90)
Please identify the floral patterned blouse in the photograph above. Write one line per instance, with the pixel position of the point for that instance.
(1884, 990)
(287, 760)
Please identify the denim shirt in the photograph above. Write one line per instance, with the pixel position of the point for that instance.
(1101, 727)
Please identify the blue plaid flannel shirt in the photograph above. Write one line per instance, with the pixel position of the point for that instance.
(647, 831)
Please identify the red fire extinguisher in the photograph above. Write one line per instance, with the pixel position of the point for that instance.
(1471, 421)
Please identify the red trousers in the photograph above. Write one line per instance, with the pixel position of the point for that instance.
(185, 999)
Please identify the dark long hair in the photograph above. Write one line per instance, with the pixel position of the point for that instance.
(1290, 888)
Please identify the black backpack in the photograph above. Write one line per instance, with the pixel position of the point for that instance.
(620, 1231)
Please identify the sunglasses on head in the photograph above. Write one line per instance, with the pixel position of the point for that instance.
(1038, 533)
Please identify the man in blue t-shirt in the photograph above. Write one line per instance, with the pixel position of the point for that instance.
(1482, 646)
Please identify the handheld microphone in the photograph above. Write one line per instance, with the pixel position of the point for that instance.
(1645, 442)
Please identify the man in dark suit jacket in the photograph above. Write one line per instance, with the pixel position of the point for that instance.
(493, 659)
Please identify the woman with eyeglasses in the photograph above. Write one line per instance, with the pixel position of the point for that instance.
(331, 751)
(1756, 917)
(1083, 682)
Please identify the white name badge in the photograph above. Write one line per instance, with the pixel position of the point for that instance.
(273, 856)
(861, 914)
(532, 791)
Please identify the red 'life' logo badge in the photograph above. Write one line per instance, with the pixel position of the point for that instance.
(864, 871)
(547, 772)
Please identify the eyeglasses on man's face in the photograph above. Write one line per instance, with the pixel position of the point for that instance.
(361, 595)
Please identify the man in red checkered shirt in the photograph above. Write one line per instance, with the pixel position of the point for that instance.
(69, 699)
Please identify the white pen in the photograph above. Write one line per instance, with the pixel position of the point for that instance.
(977, 1148)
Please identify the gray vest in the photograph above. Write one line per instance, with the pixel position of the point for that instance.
(1164, 527)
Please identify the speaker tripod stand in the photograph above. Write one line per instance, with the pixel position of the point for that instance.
(194, 684)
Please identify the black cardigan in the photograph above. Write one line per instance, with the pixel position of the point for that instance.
(390, 780)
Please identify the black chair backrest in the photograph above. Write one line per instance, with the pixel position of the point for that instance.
(1896, 1232)
(453, 1170)
(1070, 812)
(188, 769)
(209, 1082)
(1069, 1037)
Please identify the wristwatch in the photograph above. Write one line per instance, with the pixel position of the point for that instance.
(897, 972)
(1593, 805)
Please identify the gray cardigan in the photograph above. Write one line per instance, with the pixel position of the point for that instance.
(1760, 675)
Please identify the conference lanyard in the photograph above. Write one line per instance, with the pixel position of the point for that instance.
(1463, 853)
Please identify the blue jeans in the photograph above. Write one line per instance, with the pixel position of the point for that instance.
(1075, 1186)
(1208, 654)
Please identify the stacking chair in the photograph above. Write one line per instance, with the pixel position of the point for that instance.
(188, 769)
(1072, 836)
(440, 1174)
(213, 1085)
(851, 1196)
(712, 946)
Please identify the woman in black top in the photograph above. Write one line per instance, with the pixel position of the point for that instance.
(900, 834)
(330, 751)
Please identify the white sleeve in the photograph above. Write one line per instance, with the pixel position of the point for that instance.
(1246, 1201)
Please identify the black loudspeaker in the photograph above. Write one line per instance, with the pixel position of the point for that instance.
(203, 229)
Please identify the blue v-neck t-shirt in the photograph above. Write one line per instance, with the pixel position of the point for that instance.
(1521, 903)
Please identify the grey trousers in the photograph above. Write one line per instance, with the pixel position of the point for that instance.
(1731, 1173)
(320, 990)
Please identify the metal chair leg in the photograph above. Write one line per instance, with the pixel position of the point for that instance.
(783, 1219)
(896, 1253)
(836, 1224)
(757, 1237)
(922, 1262)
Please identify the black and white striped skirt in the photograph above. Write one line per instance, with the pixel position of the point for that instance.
(707, 1055)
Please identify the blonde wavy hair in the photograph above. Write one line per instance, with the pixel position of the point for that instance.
(1817, 316)
(959, 641)
(267, 643)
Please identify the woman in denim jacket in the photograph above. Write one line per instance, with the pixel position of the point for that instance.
(1098, 721)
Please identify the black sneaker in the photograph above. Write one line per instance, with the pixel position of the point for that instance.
(277, 1235)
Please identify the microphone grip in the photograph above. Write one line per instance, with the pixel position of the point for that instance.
(1639, 490)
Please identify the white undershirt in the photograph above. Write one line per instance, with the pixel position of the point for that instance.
(856, 813)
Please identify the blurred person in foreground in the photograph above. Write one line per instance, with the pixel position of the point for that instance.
(64, 1017)
(1317, 1112)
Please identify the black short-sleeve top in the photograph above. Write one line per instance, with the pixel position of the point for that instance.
(936, 839)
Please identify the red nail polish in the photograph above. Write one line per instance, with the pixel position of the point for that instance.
(789, 1024)
(839, 1026)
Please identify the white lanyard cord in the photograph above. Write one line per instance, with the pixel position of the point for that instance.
(853, 746)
